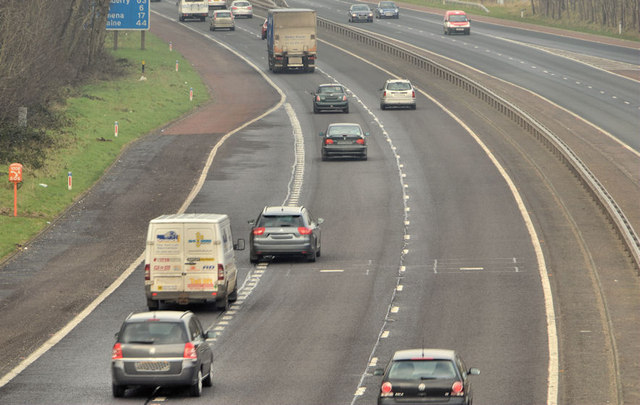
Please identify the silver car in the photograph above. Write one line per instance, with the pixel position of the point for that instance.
(161, 348)
(397, 93)
(285, 231)
(222, 19)
(241, 8)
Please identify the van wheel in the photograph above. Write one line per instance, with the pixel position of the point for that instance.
(223, 304)
(233, 297)
(153, 305)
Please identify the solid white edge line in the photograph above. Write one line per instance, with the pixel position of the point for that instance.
(58, 336)
(552, 370)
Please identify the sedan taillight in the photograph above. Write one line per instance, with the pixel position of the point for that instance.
(386, 387)
(457, 389)
(189, 351)
(360, 141)
(344, 98)
(317, 98)
(328, 141)
(258, 231)
(116, 353)
(303, 230)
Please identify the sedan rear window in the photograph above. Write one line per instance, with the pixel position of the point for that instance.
(338, 130)
(329, 89)
(153, 333)
(224, 14)
(283, 221)
(422, 370)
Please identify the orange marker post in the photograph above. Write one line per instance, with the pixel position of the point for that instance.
(15, 177)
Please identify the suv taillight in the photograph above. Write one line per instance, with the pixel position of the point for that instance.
(147, 272)
(116, 353)
(189, 351)
(303, 230)
(220, 271)
(457, 389)
(258, 231)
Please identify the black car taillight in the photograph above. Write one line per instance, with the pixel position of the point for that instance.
(457, 389)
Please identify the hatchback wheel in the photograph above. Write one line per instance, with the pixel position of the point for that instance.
(195, 389)
(208, 379)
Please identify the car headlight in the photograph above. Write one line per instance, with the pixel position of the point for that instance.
(370, 14)
(353, 14)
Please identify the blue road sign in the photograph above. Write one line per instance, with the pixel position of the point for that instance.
(128, 15)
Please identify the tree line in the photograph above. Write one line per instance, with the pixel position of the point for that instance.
(46, 46)
(606, 13)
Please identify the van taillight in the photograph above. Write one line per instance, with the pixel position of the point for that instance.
(303, 230)
(190, 351)
(116, 353)
(457, 389)
(258, 231)
(220, 271)
(147, 272)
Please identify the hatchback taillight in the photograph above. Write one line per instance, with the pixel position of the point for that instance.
(328, 141)
(457, 389)
(384, 94)
(413, 94)
(116, 353)
(386, 387)
(147, 272)
(360, 141)
(258, 231)
(189, 351)
(303, 230)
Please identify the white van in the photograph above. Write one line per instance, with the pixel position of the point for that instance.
(190, 258)
(193, 9)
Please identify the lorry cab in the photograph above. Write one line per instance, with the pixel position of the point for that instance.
(456, 21)
(190, 258)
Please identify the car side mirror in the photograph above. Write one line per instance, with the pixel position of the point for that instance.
(321, 134)
(116, 335)
(320, 221)
(378, 371)
(251, 221)
(239, 245)
(210, 334)
(474, 371)
(366, 134)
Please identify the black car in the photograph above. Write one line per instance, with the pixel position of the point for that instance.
(344, 140)
(419, 376)
(387, 9)
(360, 12)
(330, 97)
(161, 348)
(285, 231)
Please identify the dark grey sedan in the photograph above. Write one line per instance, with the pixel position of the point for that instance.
(330, 97)
(285, 231)
(346, 140)
(161, 348)
(360, 12)
(419, 376)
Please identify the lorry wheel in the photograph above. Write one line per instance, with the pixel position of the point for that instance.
(223, 304)
(153, 305)
(311, 69)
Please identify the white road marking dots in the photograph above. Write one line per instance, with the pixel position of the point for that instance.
(400, 287)
(332, 271)
(471, 268)
(384, 335)
(373, 362)
(360, 391)
(395, 310)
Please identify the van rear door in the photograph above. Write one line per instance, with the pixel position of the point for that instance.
(201, 246)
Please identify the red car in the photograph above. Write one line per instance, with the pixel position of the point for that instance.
(264, 29)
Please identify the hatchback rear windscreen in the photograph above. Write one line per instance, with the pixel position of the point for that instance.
(153, 333)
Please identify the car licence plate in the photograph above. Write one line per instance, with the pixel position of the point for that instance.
(152, 366)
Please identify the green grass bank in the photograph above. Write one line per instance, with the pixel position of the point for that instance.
(87, 147)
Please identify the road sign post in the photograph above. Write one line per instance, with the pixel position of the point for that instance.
(15, 177)
(128, 15)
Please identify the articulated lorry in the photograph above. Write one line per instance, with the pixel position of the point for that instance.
(291, 39)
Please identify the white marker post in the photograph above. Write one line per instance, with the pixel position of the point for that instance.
(69, 181)
(176, 65)
(115, 129)
(190, 93)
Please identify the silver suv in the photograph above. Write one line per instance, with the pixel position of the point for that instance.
(397, 93)
(284, 231)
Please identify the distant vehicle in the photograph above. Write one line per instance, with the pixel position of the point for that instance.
(291, 39)
(456, 21)
(344, 140)
(221, 4)
(264, 29)
(222, 19)
(161, 348)
(397, 93)
(387, 9)
(193, 9)
(433, 376)
(360, 12)
(190, 258)
(285, 231)
(330, 97)
(241, 8)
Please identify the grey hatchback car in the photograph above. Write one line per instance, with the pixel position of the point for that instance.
(161, 348)
(285, 231)
(344, 139)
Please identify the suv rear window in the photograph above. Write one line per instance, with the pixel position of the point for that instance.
(153, 332)
(271, 221)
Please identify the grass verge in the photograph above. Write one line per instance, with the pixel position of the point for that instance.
(88, 146)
